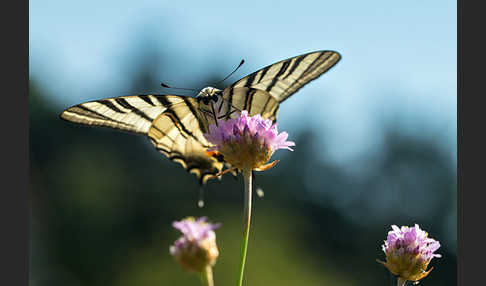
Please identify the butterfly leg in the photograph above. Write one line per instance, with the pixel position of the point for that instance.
(228, 114)
(206, 111)
(215, 116)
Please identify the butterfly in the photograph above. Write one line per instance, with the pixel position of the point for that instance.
(175, 124)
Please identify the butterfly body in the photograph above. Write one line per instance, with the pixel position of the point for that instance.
(209, 93)
(175, 124)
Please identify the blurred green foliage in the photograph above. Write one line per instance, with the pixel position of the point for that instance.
(103, 202)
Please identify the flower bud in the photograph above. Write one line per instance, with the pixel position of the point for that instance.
(197, 248)
(408, 252)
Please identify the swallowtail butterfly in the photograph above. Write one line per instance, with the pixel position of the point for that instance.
(176, 124)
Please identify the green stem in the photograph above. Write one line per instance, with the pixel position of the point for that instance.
(207, 276)
(247, 177)
(401, 281)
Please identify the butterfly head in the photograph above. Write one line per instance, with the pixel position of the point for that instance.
(208, 94)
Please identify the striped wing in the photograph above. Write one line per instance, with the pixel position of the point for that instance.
(286, 77)
(175, 124)
(129, 113)
(178, 134)
(172, 123)
(255, 101)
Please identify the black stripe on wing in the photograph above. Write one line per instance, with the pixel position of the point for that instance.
(108, 103)
(319, 66)
(183, 129)
(137, 111)
(255, 101)
(276, 78)
(193, 108)
(284, 78)
(128, 113)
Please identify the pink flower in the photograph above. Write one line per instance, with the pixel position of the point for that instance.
(247, 142)
(409, 251)
(197, 248)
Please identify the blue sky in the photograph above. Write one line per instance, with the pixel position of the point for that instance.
(399, 57)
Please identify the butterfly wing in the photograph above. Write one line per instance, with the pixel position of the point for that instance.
(286, 77)
(262, 91)
(255, 101)
(178, 133)
(128, 113)
(172, 123)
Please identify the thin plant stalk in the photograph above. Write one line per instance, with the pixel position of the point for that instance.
(207, 276)
(247, 178)
(401, 281)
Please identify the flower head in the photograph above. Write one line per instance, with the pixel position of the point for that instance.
(196, 249)
(247, 142)
(409, 251)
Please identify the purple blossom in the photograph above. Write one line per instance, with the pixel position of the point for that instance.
(247, 141)
(196, 248)
(409, 251)
(195, 229)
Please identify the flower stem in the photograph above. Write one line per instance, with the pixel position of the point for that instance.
(247, 177)
(207, 276)
(401, 281)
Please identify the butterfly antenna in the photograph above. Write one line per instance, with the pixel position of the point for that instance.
(241, 63)
(181, 88)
